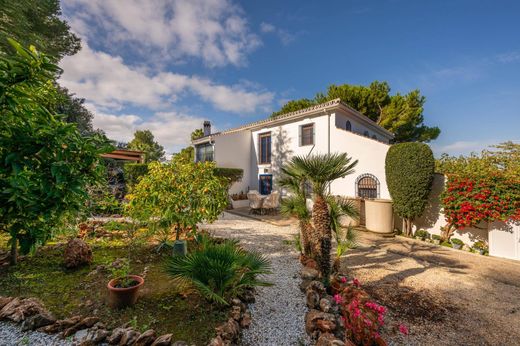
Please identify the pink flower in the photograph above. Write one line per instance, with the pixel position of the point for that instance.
(403, 329)
(343, 280)
(338, 299)
(356, 282)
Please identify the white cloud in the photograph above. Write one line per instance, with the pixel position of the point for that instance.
(266, 27)
(215, 31)
(108, 82)
(171, 129)
(284, 36)
(509, 57)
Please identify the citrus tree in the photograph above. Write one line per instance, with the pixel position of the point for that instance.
(45, 163)
(179, 195)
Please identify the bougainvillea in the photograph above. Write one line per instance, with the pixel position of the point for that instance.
(469, 201)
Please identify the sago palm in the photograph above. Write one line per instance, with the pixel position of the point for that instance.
(219, 271)
(346, 238)
(321, 170)
(296, 205)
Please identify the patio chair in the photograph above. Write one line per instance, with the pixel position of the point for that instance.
(255, 202)
(271, 202)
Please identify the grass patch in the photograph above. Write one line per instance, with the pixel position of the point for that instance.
(162, 306)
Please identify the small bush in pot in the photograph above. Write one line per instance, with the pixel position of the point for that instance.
(123, 288)
(436, 239)
(480, 247)
(456, 243)
(422, 234)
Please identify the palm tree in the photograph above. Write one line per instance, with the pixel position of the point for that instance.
(296, 205)
(321, 170)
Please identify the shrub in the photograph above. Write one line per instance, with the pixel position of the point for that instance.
(133, 173)
(232, 174)
(468, 201)
(178, 195)
(219, 271)
(422, 234)
(480, 245)
(409, 174)
(456, 241)
(104, 203)
(436, 237)
(45, 163)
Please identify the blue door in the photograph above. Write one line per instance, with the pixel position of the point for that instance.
(265, 183)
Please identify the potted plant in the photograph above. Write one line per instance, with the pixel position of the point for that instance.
(422, 234)
(123, 288)
(436, 239)
(480, 247)
(456, 243)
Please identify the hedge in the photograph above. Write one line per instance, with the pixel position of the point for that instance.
(409, 175)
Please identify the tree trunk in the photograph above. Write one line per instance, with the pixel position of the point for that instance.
(14, 251)
(407, 227)
(305, 229)
(321, 218)
(447, 232)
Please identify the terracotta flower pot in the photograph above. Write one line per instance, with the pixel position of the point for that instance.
(120, 297)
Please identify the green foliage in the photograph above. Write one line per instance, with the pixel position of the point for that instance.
(198, 133)
(45, 163)
(422, 234)
(104, 202)
(409, 175)
(503, 159)
(456, 241)
(320, 170)
(186, 155)
(120, 272)
(480, 245)
(400, 114)
(36, 23)
(346, 238)
(340, 207)
(74, 111)
(232, 175)
(145, 141)
(219, 271)
(180, 195)
(436, 237)
(133, 172)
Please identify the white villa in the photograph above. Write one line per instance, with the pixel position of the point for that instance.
(262, 147)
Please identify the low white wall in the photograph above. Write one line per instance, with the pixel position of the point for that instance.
(504, 240)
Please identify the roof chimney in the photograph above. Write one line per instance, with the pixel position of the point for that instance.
(207, 128)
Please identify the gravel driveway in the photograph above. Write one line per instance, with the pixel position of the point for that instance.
(446, 296)
(278, 314)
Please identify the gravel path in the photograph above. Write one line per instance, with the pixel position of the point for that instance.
(445, 296)
(11, 335)
(278, 314)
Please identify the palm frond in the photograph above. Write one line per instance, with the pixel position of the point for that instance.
(322, 169)
(219, 271)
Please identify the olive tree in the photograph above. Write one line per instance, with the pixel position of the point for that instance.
(45, 163)
(409, 175)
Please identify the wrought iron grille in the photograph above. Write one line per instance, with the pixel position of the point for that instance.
(367, 186)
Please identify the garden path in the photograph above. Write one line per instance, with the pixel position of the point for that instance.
(278, 314)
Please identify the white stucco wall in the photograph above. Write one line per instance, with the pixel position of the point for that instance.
(285, 144)
(359, 128)
(504, 240)
(370, 154)
(234, 151)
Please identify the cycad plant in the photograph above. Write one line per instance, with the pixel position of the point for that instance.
(219, 271)
(296, 205)
(346, 237)
(321, 170)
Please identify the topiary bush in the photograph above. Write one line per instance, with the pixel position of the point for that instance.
(409, 175)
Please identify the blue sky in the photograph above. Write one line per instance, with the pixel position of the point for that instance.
(169, 65)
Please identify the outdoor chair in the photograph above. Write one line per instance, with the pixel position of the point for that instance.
(271, 202)
(255, 202)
